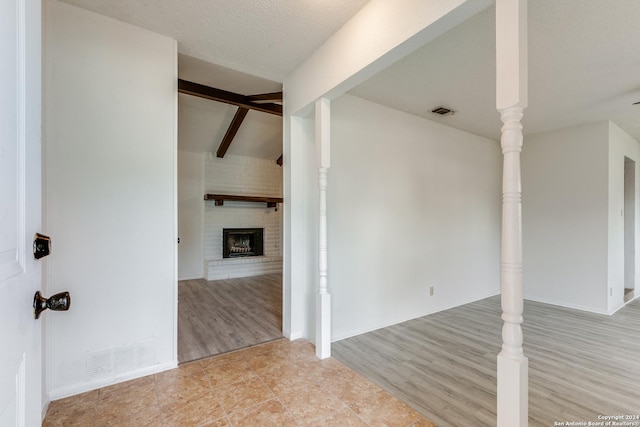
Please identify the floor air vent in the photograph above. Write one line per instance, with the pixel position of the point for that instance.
(108, 364)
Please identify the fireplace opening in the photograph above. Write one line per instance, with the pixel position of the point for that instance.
(242, 242)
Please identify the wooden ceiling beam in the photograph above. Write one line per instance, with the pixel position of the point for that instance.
(274, 96)
(243, 102)
(231, 131)
(207, 92)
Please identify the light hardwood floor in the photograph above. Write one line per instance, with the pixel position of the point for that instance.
(628, 294)
(224, 315)
(581, 365)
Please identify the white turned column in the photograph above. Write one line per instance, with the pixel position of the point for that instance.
(323, 302)
(512, 364)
(511, 99)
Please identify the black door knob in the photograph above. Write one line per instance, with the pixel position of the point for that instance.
(57, 302)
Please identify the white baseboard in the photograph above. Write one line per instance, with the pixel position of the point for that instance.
(426, 313)
(45, 408)
(201, 276)
(294, 336)
(62, 392)
(565, 305)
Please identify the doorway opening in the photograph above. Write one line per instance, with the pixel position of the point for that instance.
(230, 252)
(229, 257)
(629, 228)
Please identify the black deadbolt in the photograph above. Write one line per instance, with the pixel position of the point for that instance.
(41, 246)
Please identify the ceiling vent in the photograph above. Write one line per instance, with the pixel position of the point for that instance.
(443, 111)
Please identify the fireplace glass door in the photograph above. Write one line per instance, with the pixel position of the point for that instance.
(242, 242)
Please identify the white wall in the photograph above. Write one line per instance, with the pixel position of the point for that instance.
(573, 216)
(242, 175)
(621, 145)
(301, 197)
(565, 216)
(332, 70)
(110, 200)
(411, 204)
(629, 223)
(190, 215)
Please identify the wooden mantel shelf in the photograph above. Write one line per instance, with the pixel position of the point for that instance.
(271, 202)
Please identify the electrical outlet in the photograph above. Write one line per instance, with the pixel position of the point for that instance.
(431, 291)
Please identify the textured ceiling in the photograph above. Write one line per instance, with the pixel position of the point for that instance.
(265, 38)
(242, 46)
(584, 66)
(583, 63)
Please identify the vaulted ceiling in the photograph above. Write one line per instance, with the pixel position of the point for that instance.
(583, 60)
(202, 123)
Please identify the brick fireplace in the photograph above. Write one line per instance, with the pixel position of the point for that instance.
(241, 176)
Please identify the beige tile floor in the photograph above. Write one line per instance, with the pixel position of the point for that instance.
(277, 384)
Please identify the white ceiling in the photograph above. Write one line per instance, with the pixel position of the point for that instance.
(584, 63)
(265, 38)
(203, 123)
(584, 66)
(247, 47)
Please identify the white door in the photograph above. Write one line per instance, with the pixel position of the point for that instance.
(20, 212)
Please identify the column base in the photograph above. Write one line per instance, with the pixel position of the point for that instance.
(513, 392)
(323, 326)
